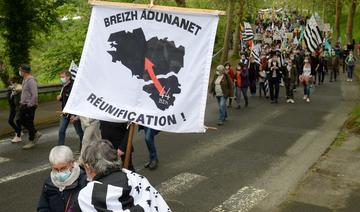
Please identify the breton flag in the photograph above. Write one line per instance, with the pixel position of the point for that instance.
(73, 70)
(255, 52)
(248, 33)
(138, 64)
(312, 35)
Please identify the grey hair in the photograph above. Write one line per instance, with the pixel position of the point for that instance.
(101, 156)
(61, 154)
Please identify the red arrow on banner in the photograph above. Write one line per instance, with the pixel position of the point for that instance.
(149, 68)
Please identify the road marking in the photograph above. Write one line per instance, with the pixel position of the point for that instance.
(244, 200)
(2, 160)
(179, 184)
(24, 173)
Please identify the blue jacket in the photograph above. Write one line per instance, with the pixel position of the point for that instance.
(53, 200)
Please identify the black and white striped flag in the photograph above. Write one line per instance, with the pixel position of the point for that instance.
(248, 33)
(255, 52)
(313, 38)
(73, 70)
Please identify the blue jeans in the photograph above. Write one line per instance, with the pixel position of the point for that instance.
(222, 108)
(150, 142)
(350, 70)
(307, 90)
(64, 122)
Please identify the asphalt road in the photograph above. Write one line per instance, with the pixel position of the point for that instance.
(249, 164)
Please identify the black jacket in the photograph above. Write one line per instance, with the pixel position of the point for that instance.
(65, 93)
(53, 200)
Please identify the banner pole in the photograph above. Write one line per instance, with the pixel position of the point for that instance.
(129, 145)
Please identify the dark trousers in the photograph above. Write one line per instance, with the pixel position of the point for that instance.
(274, 86)
(289, 89)
(253, 87)
(321, 76)
(27, 115)
(262, 88)
(14, 123)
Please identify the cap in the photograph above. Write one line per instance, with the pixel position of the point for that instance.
(25, 67)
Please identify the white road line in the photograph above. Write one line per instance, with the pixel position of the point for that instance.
(179, 184)
(2, 160)
(24, 173)
(244, 200)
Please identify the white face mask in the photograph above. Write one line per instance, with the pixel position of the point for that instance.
(62, 176)
(20, 73)
(63, 80)
(218, 73)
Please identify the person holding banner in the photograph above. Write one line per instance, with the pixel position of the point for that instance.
(221, 87)
(117, 134)
(112, 188)
(65, 118)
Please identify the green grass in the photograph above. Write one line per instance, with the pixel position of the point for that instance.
(340, 138)
(45, 97)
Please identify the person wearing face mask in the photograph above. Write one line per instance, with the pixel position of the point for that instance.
(14, 92)
(221, 87)
(61, 188)
(113, 188)
(289, 78)
(65, 118)
(350, 63)
(274, 74)
(335, 62)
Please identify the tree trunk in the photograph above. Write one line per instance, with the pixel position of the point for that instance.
(337, 19)
(180, 3)
(237, 29)
(228, 32)
(350, 21)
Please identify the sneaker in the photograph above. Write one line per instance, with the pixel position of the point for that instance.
(307, 100)
(153, 164)
(16, 139)
(305, 97)
(292, 101)
(220, 123)
(288, 100)
(29, 145)
(37, 136)
(350, 80)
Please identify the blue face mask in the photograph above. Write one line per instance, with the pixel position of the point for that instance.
(62, 176)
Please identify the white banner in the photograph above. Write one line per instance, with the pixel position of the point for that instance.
(145, 66)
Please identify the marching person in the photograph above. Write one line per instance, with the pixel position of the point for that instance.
(65, 118)
(335, 63)
(242, 73)
(221, 87)
(112, 188)
(14, 93)
(289, 77)
(305, 78)
(28, 105)
(61, 188)
(117, 134)
(150, 144)
(253, 73)
(229, 71)
(350, 63)
(274, 76)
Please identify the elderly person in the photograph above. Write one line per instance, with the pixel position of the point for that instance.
(222, 88)
(62, 187)
(113, 188)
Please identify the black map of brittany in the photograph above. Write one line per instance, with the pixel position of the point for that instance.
(156, 61)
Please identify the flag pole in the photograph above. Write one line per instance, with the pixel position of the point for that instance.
(129, 145)
(157, 7)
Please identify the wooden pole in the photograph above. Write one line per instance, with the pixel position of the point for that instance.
(157, 7)
(129, 145)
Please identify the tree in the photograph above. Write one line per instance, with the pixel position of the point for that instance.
(228, 31)
(240, 13)
(350, 21)
(180, 3)
(22, 20)
(337, 19)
